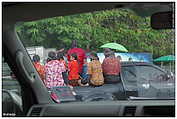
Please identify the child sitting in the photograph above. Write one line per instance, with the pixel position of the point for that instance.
(73, 68)
(39, 67)
(61, 60)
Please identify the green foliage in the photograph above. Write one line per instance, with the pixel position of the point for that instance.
(95, 29)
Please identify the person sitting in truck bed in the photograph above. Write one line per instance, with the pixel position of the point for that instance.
(38, 66)
(111, 68)
(73, 69)
(95, 73)
(60, 58)
(53, 71)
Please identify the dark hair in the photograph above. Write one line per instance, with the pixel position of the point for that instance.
(130, 59)
(107, 52)
(60, 55)
(119, 57)
(94, 54)
(74, 55)
(52, 55)
(36, 58)
(48, 59)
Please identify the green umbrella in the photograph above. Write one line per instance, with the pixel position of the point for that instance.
(165, 58)
(115, 46)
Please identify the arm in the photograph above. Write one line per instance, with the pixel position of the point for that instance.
(62, 66)
(103, 66)
(119, 66)
(89, 72)
(43, 72)
(87, 80)
(69, 66)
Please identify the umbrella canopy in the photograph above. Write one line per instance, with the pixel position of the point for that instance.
(165, 58)
(115, 46)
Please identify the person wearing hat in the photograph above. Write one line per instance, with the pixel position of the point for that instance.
(95, 73)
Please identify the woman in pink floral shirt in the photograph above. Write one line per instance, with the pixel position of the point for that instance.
(53, 71)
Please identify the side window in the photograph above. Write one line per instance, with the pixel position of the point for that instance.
(129, 75)
(151, 74)
(11, 93)
(9, 81)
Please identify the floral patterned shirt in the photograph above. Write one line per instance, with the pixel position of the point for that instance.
(53, 71)
(95, 70)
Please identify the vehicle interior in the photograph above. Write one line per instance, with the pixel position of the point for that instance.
(36, 100)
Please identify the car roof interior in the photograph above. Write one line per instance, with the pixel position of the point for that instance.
(19, 11)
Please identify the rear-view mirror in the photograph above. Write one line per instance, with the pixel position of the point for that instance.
(163, 20)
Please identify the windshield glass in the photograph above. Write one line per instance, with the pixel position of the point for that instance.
(150, 81)
(61, 49)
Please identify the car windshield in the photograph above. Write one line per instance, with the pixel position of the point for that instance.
(101, 39)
